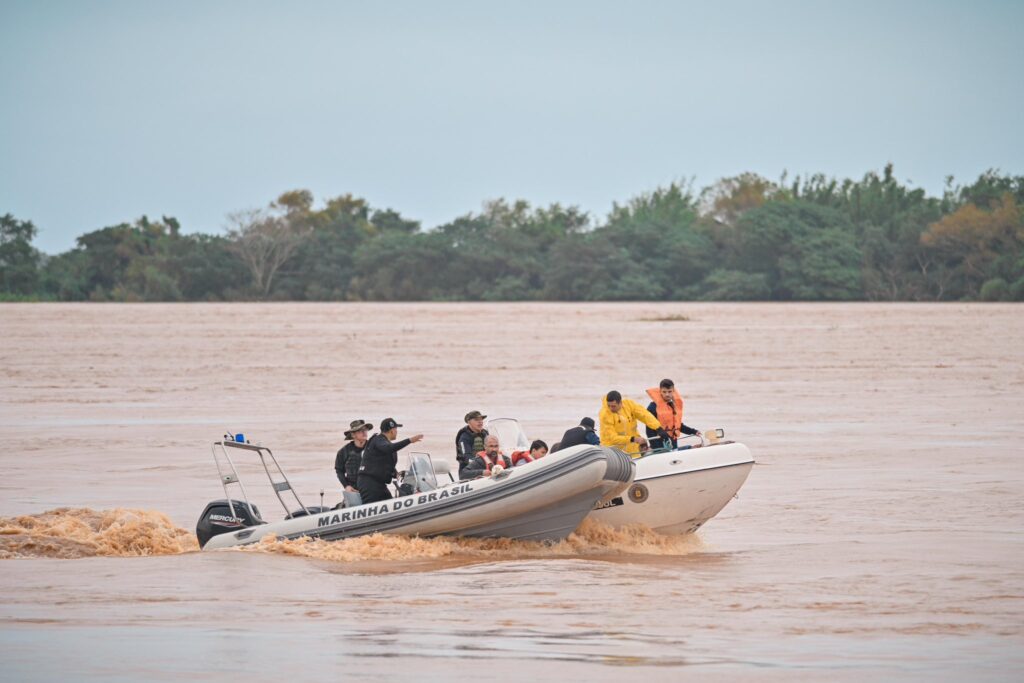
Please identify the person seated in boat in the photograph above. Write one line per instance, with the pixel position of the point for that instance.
(618, 419)
(667, 405)
(380, 460)
(470, 439)
(579, 435)
(538, 449)
(490, 456)
(348, 459)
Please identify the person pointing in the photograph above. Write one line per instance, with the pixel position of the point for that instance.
(380, 460)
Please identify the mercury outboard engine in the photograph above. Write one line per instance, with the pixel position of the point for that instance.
(218, 519)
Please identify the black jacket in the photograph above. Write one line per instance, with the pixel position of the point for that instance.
(467, 444)
(380, 458)
(476, 467)
(576, 436)
(653, 410)
(347, 462)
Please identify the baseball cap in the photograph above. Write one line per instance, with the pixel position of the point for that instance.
(587, 423)
(474, 414)
(388, 424)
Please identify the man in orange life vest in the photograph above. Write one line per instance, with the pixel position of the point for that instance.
(667, 405)
(490, 456)
(538, 449)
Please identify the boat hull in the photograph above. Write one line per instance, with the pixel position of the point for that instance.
(677, 492)
(544, 500)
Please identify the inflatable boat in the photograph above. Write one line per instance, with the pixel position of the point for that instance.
(546, 500)
(674, 491)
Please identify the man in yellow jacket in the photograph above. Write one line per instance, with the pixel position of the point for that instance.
(618, 419)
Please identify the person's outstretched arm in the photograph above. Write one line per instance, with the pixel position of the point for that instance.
(392, 447)
(644, 416)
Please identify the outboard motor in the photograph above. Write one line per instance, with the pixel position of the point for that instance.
(218, 519)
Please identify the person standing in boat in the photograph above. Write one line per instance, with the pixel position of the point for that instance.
(470, 439)
(489, 457)
(380, 460)
(667, 405)
(347, 462)
(618, 418)
(579, 435)
(538, 449)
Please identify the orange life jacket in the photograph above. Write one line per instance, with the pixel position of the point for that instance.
(488, 462)
(521, 457)
(670, 416)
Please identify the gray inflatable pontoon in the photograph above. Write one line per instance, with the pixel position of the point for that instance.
(542, 500)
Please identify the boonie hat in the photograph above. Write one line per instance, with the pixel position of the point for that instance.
(355, 426)
(388, 424)
(474, 414)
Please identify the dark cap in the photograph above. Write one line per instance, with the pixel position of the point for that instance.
(355, 426)
(388, 424)
(474, 414)
(587, 423)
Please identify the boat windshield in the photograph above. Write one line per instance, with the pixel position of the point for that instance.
(420, 472)
(511, 436)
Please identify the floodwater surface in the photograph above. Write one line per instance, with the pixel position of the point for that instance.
(880, 536)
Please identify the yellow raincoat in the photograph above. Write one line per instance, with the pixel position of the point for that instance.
(617, 429)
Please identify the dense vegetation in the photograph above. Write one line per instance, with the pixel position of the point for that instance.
(744, 238)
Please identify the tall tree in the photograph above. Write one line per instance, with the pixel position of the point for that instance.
(975, 244)
(265, 239)
(805, 251)
(19, 260)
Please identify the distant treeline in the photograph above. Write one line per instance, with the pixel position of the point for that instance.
(742, 239)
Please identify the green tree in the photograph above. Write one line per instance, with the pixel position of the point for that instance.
(324, 264)
(733, 285)
(125, 262)
(399, 266)
(805, 251)
(744, 238)
(989, 190)
(65, 277)
(206, 268)
(19, 260)
(659, 232)
(888, 218)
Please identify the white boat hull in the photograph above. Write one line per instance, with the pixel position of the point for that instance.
(677, 492)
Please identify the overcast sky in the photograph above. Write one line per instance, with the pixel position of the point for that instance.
(112, 110)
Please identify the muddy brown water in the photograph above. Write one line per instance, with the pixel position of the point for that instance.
(880, 536)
